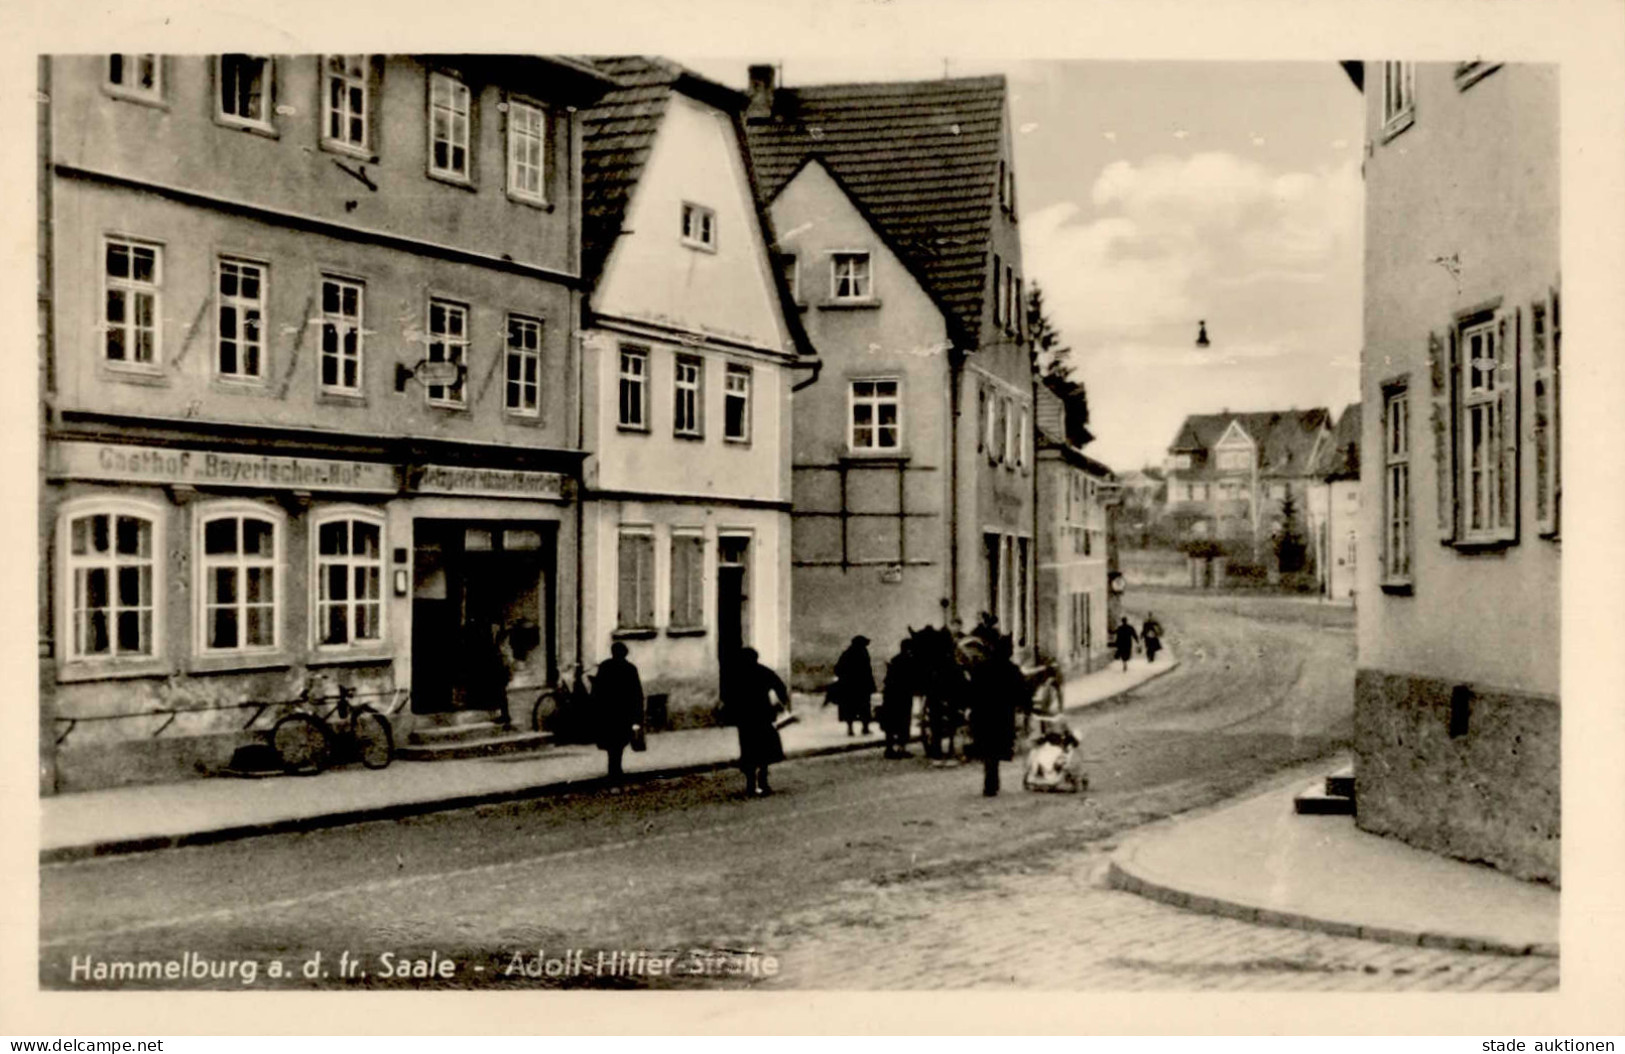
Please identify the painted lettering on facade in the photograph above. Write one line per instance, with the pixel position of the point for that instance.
(142, 464)
(490, 483)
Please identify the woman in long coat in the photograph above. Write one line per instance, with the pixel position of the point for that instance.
(1124, 639)
(897, 700)
(854, 684)
(617, 697)
(747, 704)
(996, 685)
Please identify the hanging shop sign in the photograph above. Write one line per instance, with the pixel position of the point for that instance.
(75, 459)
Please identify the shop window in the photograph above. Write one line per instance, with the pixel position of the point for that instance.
(238, 561)
(349, 574)
(635, 580)
(687, 579)
(110, 580)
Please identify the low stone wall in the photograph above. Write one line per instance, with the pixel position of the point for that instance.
(1463, 770)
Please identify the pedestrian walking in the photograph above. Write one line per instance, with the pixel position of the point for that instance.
(617, 698)
(1151, 636)
(1124, 639)
(747, 704)
(854, 685)
(897, 700)
(996, 685)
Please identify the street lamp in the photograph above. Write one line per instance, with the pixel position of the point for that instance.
(1201, 334)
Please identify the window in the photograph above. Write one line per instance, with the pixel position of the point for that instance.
(688, 397)
(998, 290)
(349, 580)
(987, 406)
(1019, 322)
(136, 76)
(634, 388)
(1488, 432)
(1012, 438)
(1022, 588)
(850, 277)
(736, 405)
(1397, 545)
(1398, 96)
(1543, 340)
(1004, 200)
(1009, 297)
(527, 151)
(995, 428)
(1021, 441)
(448, 342)
(635, 582)
(687, 579)
(245, 90)
(134, 275)
(789, 268)
(699, 226)
(1233, 460)
(240, 340)
(110, 571)
(239, 592)
(345, 103)
(875, 415)
(449, 109)
(523, 385)
(341, 336)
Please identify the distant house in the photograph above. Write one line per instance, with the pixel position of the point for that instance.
(1144, 497)
(1457, 714)
(1334, 507)
(913, 468)
(1076, 503)
(689, 344)
(1230, 473)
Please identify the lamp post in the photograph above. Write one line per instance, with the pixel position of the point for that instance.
(1201, 334)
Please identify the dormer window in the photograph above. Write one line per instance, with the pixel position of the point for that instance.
(851, 277)
(699, 227)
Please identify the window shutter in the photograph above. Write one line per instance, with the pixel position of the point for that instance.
(627, 581)
(1507, 355)
(646, 585)
(1444, 368)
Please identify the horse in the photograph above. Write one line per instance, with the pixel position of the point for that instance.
(940, 679)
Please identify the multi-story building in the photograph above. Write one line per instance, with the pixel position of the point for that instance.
(690, 345)
(308, 389)
(1456, 701)
(1334, 508)
(913, 461)
(1229, 475)
(1077, 499)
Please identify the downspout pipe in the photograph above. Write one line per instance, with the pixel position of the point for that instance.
(817, 367)
(1032, 547)
(956, 372)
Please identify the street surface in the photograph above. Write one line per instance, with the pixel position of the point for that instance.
(859, 873)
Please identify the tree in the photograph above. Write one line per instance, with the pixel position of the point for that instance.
(1055, 367)
(1290, 546)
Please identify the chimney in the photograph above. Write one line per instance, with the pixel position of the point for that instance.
(761, 93)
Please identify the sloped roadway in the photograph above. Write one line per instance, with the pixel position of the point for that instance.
(860, 872)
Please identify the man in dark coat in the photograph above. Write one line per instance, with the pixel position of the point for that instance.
(747, 704)
(1123, 639)
(996, 685)
(854, 684)
(897, 700)
(1151, 635)
(617, 697)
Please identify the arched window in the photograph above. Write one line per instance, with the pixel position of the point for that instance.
(239, 555)
(112, 577)
(348, 577)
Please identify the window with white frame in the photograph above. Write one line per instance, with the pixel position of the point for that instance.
(850, 277)
(635, 583)
(699, 226)
(1543, 348)
(634, 388)
(136, 76)
(687, 578)
(527, 151)
(875, 416)
(736, 404)
(240, 314)
(245, 90)
(1397, 541)
(110, 578)
(341, 349)
(1488, 447)
(522, 387)
(1398, 95)
(450, 107)
(238, 566)
(448, 342)
(688, 395)
(131, 307)
(346, 102)
(349, 574)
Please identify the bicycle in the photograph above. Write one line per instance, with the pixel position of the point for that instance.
(308, 743)
(564, 707)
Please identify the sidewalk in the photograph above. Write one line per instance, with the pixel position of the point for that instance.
(1259, 861)
(140, 818)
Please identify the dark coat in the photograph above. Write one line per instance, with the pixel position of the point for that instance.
(897, 698)
(747, 704)
(854, 684)
(617, 702)
(1124, 637)
(996, 687)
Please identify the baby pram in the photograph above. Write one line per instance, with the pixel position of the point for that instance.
(1053, 763)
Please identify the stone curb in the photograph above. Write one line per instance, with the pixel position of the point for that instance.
(1116, 696)
(1120, 874)
(402, 810)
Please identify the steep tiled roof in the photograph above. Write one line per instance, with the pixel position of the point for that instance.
(1340, 458)
(920, 159)
(1286, 440)
(617, 135)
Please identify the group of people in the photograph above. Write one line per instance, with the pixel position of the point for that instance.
(1124, 639)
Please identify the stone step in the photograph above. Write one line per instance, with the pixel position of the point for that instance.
(484, 747)
(433, 735)
(1341, 783)
(1315, 801)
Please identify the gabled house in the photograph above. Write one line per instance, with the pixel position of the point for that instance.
(1457, 720)
(1334, 507)
(1230, 473)
(690, 347)
(913, 468)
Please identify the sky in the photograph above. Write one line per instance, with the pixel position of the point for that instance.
(1155, 195)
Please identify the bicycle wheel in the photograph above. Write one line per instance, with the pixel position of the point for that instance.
(374, 740)
(303, 743)
(546, 710)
